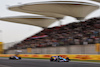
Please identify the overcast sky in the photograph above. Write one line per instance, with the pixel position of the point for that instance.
(12, 32)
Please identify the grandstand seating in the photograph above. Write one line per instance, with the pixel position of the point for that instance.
(76, 33)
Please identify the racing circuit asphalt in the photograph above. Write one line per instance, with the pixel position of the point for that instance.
(5, 62)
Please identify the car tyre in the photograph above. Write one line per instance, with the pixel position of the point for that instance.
(19, 58)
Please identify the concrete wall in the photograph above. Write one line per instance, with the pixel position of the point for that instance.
(73, 49)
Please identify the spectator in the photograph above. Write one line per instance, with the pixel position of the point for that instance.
(76, 33)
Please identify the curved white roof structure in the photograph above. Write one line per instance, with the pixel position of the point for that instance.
(31, 20)
(97, 0)
(58, 9)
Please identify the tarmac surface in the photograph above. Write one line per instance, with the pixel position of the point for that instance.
(5, 62)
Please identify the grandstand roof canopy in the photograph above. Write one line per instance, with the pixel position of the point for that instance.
(58, 9)
(31, 20)
(97, 0)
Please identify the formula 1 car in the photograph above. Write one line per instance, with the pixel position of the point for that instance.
(14, 58)
(59, 59)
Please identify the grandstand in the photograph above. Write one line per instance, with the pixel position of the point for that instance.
(85, 31)
(76, 33)
(73, 38)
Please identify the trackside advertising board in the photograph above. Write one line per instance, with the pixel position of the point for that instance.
(47, 56)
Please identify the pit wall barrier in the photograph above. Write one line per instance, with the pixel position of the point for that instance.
(47, 56)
